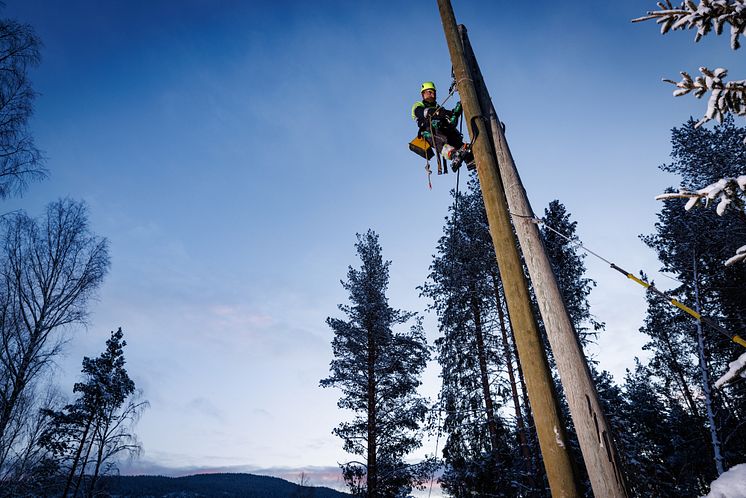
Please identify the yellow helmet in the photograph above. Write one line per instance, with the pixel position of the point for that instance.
(428, 85)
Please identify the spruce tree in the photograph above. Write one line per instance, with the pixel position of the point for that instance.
(647, 438)
(567, 262)
(699, 240)
(378, 370)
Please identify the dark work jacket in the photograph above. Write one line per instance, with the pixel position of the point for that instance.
(418, 114)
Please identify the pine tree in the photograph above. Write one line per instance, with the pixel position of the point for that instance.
(647, 437)
(378, 371)
(90, 432)
(675, 371)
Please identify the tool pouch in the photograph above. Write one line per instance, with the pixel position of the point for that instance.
(421, 147)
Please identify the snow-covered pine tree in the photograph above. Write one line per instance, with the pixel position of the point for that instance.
(684, 244)
(378, 370)
(701, 156)
(464, 287)
(646, 436)
(567, 260)
(715, 158)
(725, 99)
(675, 367)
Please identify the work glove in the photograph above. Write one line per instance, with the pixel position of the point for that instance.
(457, 110)
(436, 123)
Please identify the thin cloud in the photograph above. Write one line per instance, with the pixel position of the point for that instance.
(205, 407)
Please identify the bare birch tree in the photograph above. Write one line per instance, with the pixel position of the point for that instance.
(50, 269)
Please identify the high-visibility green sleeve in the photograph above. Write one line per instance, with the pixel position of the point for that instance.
(415, 106)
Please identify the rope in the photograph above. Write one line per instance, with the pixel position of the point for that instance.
(458, 173)
(437, 442)
(438, 107)
(453, 227)
(697, 316)
(576, 242)
(443, 168)
(453, 88)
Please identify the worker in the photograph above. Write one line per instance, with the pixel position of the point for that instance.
(437, 125)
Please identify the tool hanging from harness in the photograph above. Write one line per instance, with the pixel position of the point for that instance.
(421, 147)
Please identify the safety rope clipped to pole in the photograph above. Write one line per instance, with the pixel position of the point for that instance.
(697, 316)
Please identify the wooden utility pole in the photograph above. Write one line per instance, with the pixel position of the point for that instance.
(594, 434)
(551, 432)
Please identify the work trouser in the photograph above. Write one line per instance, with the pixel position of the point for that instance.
(442, 136)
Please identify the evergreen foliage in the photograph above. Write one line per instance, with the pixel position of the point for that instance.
(86, 436)
(378, 371)
(647, 439)
(482, 450)
(487, 453)
(569, 269)
(561, 243)
(674, 449)
(682, 238)
(709, 16)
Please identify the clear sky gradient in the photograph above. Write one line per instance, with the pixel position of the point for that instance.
(231, 150)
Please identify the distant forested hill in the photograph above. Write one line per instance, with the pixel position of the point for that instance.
(213, 485)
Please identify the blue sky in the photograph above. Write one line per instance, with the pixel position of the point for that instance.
(231, 150)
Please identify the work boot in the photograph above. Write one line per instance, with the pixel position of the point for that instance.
(458, 156)
(471, 164)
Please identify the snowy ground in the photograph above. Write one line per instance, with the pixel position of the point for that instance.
(731, 484)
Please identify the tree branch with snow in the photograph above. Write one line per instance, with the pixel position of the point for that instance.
(724, 97)
(727, 192)
(737, 368)
(705, 17)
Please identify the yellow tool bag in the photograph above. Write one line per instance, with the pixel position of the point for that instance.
(421, 147)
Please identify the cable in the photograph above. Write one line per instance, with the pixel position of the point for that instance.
(697, 316)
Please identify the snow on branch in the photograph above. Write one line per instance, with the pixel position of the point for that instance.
(736, 368)
(724, 98)
(728, 192)
(739, 257)
(705, 16)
